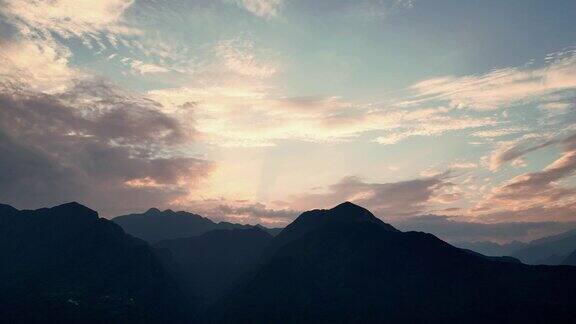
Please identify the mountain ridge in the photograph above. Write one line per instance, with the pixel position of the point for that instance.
(65, 264)
(551, 250)
(330, 265)
(155, 225)
(365, 272)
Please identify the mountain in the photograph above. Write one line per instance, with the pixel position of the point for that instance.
(492, 248)
(272, 231)
(65, 264)
(155, 225)
(571, 259)
(550, 250)
(344, 265)
(206, 266)
(346, 214)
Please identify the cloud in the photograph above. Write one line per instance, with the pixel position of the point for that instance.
(512, 151)
(365, 9)
(495, 133)
(140, 67)
(454, 230)
(260, 8)
(69, 18)
(239, 57)
(463, 165)
(254, 213)
(434, 125)
(43, 65)
(94, 144)
(236, 110)
(237, 103)
(386, 200)
(536, 194)
(390, 201)
(556, 106)
(519, 163)
(503, 87)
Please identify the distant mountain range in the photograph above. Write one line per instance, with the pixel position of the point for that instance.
(492, 248)
(64, 264)
(551, 250)
(571, 259)
(155, 225)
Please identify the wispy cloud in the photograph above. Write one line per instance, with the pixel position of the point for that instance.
(435, 125)
(140, 67)
(260, 8)
(503, 87)
(70, 17)
(537, 194)
(513, 150)
(239, 57)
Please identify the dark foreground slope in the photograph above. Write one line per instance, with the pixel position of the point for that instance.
(155, 225)
(358, 269)
(64, 264)
(207, 266)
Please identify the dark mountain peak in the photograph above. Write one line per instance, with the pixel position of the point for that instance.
(345, 265)
(7, 209)
(348, 204)
(153, 211)
(254, 230)
(167, 212)
(155, 225)
(63, 253)
(352, 212)
(74, 209)
(345, 214)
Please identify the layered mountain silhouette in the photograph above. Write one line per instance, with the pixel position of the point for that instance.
(209, 265)
(66, 265)
(492, 248)
(155, 225)
(552, 250)
(571, 259)
(345, 265)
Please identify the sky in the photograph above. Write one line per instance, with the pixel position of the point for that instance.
(450, 116)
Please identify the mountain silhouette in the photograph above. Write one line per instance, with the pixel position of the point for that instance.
(492, 248)
(345, 265)
(155, 225)
(207, 266)
(571, 259)
(65, 264)
(551, 250)
(345, 213)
